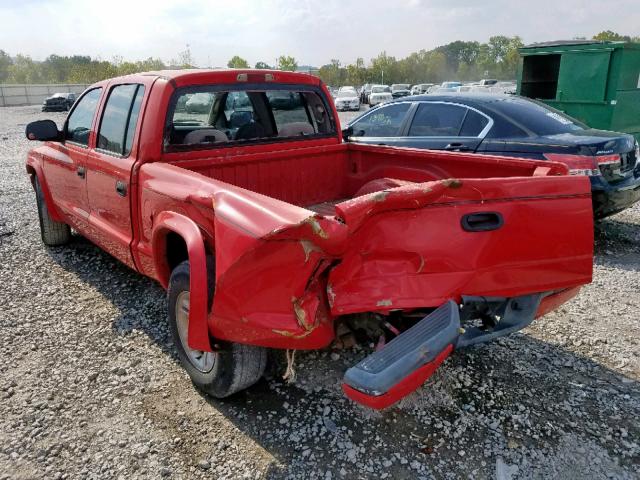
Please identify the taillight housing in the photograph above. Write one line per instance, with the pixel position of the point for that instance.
(585, 164)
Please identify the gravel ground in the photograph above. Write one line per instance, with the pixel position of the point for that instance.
(90, 386)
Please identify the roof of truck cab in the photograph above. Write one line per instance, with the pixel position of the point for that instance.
(196, 76)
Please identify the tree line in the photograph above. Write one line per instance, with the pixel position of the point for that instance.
(460, 60)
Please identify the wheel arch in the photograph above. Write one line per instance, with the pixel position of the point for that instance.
(174, 235)
(34, 170)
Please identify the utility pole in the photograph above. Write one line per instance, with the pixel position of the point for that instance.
(382, 76)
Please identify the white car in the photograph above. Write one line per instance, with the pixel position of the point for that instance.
(421, 88)
(379, 94)
(347, 100)
(347, 88)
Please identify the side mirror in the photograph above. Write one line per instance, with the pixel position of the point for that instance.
(43, 130)
(346, 133)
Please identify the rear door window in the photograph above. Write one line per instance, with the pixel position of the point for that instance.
(382, 122)
(437, 120)
(81, 119)
(120, 118)
(473, 125)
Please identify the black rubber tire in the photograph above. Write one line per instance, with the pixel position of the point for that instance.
(236, 366)
(53, 233)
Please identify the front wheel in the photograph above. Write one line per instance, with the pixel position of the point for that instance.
(222, 373)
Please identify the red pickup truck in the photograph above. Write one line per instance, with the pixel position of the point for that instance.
(235, 191)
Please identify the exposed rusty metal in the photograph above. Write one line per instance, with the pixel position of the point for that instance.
(386, 302)
(452, 183)
(316, 227)
(330, 294)
(307, 248)
(380, 196)
(296, 336)
(301, 315)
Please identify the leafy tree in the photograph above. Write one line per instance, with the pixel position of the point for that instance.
(263, 66)
(25, 70)
(460, 52)
(237, 62)
(384, 69)
(185, 59)
(608, 35)
(356, 73)
(5, 63)
(511, 59)
(333, 74)
(286, 62)
(151, 64)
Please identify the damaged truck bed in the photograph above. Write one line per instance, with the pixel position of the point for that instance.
(269, 232)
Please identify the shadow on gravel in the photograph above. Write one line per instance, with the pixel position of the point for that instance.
(140, 300)
(517, 393)
(507, 396)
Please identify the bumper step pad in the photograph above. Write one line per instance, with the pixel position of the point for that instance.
(406, 362)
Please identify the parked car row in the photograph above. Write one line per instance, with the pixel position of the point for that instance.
(384, 93)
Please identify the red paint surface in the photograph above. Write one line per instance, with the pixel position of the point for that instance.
(283, 273)
(407, 385)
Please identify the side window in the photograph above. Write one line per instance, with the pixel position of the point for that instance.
(119, 119)
(133, 119)
(503, 128)
(383, 122)
(473, 124)
(290, 113)
(437, 120)
(80, 120)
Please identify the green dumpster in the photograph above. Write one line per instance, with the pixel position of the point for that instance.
(595, 82)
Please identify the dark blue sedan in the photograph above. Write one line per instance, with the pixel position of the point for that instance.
(511, 126)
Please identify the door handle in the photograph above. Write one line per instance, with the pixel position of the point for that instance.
(81, 172)
(482, 221)
(121, 188)
(459, 147)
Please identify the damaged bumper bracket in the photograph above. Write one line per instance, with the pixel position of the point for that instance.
(405, 363)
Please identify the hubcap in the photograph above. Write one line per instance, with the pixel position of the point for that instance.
(202, 361)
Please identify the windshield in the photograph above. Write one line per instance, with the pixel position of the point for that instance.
(347, 93)
(400, 86)
(539, 118)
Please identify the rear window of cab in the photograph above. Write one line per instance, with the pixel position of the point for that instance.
(213, 117)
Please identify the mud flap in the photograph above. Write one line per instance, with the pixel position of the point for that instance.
(406, 362)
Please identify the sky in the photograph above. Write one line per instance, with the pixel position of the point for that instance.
(314, 32)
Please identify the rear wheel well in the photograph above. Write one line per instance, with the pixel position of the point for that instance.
(176, 250)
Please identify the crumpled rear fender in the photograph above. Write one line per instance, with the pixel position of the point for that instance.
(271, 263)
